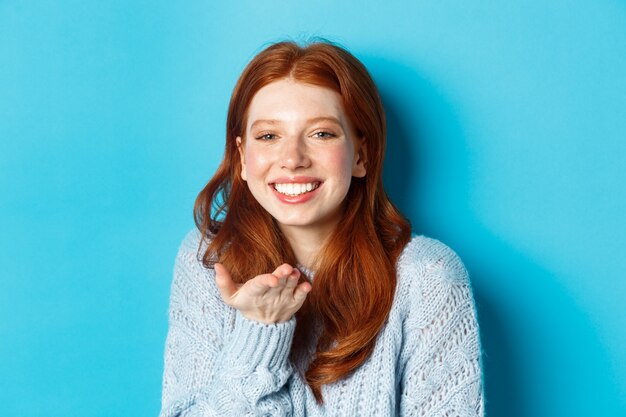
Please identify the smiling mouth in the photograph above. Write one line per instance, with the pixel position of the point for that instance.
(295, 189)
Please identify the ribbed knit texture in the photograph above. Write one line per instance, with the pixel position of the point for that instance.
(426, 362)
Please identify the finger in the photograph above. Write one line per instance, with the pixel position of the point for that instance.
(224, 282)
(283, 271)
(292, 280)
(289, 272)
(286, 283)
(302, 291)
(261, 284)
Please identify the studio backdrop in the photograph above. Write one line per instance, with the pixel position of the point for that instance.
(507, 141)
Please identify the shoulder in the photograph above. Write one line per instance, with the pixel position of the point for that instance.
(192, 247)
(191, 242)
(193, 291)
(188, 268)
(429, 273)
(423, 254)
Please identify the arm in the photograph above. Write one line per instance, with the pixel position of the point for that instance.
(442, 373)
(217, 362)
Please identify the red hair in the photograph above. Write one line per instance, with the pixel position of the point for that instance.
(355, 280)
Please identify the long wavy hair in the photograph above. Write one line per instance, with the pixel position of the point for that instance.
(355, 279)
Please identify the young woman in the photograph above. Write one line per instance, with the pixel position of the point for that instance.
(302, 292)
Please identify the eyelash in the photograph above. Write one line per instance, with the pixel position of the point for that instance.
(263, 136)
(328, 134)
(324, 132)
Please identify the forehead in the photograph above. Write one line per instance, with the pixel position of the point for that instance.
(291, 101)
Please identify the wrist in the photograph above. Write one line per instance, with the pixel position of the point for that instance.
(265, 319)
(262, 345)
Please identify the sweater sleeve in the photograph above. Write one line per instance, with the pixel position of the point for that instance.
(217, 362)
(442, 373)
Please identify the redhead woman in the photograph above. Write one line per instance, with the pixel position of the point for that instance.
(302, 291)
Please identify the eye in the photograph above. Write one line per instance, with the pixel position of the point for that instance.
(324, 134)
(266, 136)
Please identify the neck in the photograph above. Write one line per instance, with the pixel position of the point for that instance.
(306, 242)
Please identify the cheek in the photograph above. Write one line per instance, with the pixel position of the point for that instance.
(256, 163)
(341, 161)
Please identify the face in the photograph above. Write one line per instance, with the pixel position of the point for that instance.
(299, 154)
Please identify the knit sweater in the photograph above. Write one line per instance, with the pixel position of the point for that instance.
(426, 361)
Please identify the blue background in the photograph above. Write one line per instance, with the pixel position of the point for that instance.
(507, 142)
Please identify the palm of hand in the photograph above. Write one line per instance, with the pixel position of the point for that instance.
(267, 298)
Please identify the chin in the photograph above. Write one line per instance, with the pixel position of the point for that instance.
(293, 222)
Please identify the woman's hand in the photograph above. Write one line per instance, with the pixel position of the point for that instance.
(267, 298)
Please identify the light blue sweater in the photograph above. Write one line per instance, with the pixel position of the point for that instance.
(426, 362)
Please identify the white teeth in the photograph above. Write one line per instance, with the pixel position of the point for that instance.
(294, 189)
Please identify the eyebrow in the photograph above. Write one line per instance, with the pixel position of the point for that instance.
(313, 120)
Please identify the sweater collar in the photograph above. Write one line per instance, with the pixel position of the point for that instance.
(306, 271)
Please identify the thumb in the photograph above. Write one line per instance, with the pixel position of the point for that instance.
(224, 282)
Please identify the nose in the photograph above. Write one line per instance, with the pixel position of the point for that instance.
(294, 153)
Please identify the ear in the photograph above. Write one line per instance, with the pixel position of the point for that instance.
(360, 159)
(241, 156)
